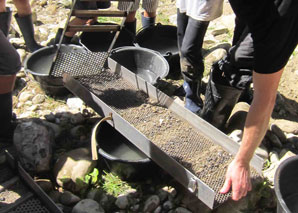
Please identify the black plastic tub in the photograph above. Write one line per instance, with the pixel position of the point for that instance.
(121, 156)
(39, 63)
(100, 41)
(146, 63)
(286, 186)
(163, 39)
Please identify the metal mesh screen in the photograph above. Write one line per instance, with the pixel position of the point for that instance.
(170, 133)
(32, 205)
(79, 63)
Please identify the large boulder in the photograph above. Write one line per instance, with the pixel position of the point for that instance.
(33, 141)
(72, 167)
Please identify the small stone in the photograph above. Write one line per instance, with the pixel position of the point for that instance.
(74, 103)
(273, 156)
(50, 117)
(278, 132)
(122, 201)
(87, 205)
(168, 205)
(67, 198)
(38, 99)
(220, 31)
(181, 210)
(151, 203)
(273, 139)
(25, 96)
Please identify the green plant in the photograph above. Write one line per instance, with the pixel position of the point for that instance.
(113, 185)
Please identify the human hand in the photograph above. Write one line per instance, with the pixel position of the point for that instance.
(237, 178)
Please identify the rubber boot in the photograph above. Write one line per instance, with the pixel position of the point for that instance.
(147, 21)
(6, 127)
(26, 26)
(193, 102)
(56, 40)
(219, 102)
(131, 26)
(5, 19)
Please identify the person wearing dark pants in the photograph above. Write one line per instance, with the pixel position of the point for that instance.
(10, 64)
(68, 36)
(24, 20)
(193, 18)
(271, 38)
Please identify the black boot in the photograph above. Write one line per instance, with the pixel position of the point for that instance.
(26, 26)
(219, 101)
(56, 40)
(147, 21)
(131, 26)
(6, 127)
(5, 19)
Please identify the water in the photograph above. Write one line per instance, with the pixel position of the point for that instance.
(146, 74)
(43, 64)
(292, 202)
(126, 152)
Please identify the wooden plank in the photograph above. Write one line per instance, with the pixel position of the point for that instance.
(93, 28)
(95, 13)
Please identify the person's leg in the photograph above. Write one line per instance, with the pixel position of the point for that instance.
(5, 19)
(24, 20)
(228, 78)
(9, 65)
(149, 14)
(131, 21)
(191, 62)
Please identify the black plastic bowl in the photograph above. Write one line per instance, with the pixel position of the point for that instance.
(286, 185)
(39, 63)
(101, 41)
(146, 63)
(123, 158)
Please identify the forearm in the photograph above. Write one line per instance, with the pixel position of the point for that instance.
(255, 128)
(265, 89)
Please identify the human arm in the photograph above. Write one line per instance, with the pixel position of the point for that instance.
(238, 173)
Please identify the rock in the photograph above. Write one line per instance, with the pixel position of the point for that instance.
(72, 167)
(50, 117)
(55, 196)
(285, 153)
(293, 139)
(22, 54)
(38, 99)
(45, 184)
(181, 210)
(56, 129)
(168, 205)
(77, 118)
(278, 132)
(74, 103)
(273, 139)
(122, 201)
(158, 209)
(94, 194)
(25, 96)
(215, 55)
(67, 198)
(220, 31)
(262, 152)
(287, 126)
(236, 135)
(163, 194)
(273, 156)
(87, 206)
(238, 117)
(78, 131)
(33, 142)
(151, 203)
